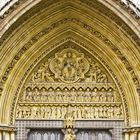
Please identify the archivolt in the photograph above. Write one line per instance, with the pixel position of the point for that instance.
(42, 32)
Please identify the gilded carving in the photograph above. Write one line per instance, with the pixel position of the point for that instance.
(69, 66)
(43, 94)
(70, 135)
(69, 84)
(31, 42)
(74, 111)
(80, 23)
(90, 76)
(80, 87)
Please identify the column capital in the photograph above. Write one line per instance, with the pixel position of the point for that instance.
(127, 130)
(8, 128)
(133, 129)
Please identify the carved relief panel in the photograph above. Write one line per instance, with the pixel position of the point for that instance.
(69, 80)
(77, 111)
(69, 66)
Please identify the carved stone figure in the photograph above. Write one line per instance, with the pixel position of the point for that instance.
(59, 95)
(64, 110)
(43, 95)
(87, 95)
(19, 112)
(53, 113)
(118, 112)
(91, 76)
(37, 95)
(59, 112)
(101, 77)
(70, 65)
(69, 135)
(80, 113)
(41, 73)
(29, 94)
(65, 97)
(110, 112)
(73, 95)
(34, 112)
(69, 70)
(48, 112)
(96, 115)
(34, 77)
(103, 97)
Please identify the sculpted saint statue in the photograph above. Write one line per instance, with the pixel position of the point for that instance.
(69, 69)
(70, 135)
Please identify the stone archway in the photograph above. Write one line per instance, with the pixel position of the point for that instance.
(97, 64)
(70, 82)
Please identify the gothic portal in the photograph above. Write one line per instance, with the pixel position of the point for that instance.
(69, 71)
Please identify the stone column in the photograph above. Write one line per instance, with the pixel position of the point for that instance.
(132, 133)
(139, 135)
(135, 134)
(12, 136)
(127, 136)
(7, 135)
(7, 132)
(0, 135)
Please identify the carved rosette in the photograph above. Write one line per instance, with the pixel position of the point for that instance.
(71, 82)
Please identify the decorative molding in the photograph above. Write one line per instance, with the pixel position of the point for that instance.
(83, 25)
(119, 22)
(119, 2)
(130, 7)
(131, 130)
(107, 12)
(138, 91)
(8, 128)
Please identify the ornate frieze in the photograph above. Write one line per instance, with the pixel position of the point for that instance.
(77, 111)
(61, 93)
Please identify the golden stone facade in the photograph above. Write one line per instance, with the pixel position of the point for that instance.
(71, 69)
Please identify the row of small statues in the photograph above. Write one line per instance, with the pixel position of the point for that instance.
(71, 96)
(59, 112)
